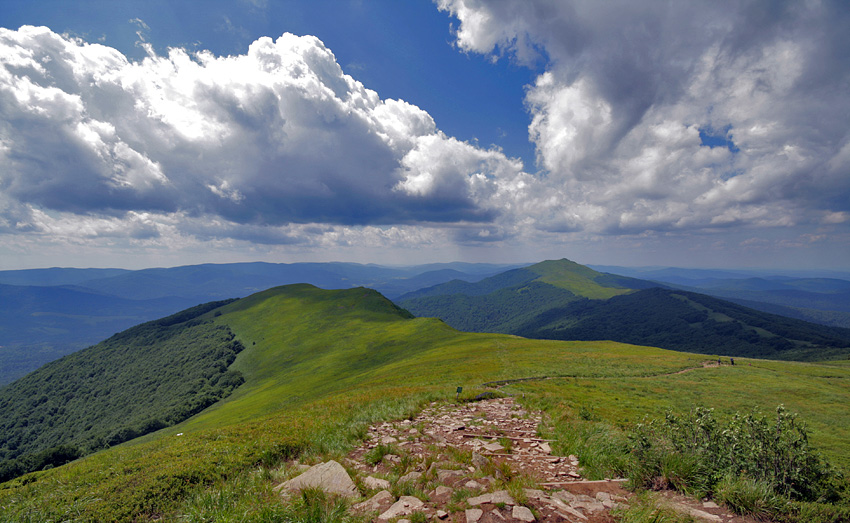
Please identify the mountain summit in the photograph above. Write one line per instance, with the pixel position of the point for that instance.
(560, 299)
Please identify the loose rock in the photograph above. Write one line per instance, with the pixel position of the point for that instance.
(376, 483)
(522, 513)
(405, 506)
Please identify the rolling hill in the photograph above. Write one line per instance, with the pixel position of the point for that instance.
(47, 313)
(319, 366)
(818, 297)
(566, 301)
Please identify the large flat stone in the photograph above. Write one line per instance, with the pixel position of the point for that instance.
(500, 496)
(329, 476)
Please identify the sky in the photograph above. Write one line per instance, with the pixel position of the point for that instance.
(687, 133)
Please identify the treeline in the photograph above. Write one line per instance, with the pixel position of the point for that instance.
(675, 320)
(690, 322)
(143, 379)
(504, 310)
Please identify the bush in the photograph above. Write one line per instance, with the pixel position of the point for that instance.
(774, 452)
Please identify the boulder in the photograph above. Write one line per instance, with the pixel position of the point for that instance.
(473, 515)
(479, 461)
(329, 476)
(410, 477)
(493, 447)
(442, 494)
(500, 496)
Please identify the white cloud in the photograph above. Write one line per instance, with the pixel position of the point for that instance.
(617, 115)
(251, 145)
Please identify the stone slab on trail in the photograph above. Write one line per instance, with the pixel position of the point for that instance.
(329, 476)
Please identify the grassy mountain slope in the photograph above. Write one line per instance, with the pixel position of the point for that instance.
(567, 301)
(138, 381)
(580, 280)
(316, 363)
(563, 274)
(47, 313)
(319, 365)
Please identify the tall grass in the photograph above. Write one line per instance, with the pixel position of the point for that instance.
(647, 508)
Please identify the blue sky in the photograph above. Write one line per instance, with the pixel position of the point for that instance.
(696, 134)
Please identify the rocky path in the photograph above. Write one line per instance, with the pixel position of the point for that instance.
(475, 462)
(480, 462)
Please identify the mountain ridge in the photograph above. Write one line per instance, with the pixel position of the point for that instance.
(589, 305)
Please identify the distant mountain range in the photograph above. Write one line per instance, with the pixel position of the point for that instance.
(567, 301)
(817, 296)
(47, 313)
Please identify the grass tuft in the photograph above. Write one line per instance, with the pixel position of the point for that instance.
(647, 508)
(751, 497)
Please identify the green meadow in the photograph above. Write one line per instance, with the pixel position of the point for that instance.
(319, 366)
(818, 393)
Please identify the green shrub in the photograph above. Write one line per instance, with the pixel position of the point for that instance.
(775, 452)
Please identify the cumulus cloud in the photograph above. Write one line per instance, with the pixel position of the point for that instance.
(632, 93)
(241, 146)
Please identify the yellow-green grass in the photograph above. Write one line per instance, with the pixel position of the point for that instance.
(818, 393)
(575, 278)
(837, 363)
(352, 340)
(320, 365)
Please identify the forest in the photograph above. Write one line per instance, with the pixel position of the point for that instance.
(138, 381)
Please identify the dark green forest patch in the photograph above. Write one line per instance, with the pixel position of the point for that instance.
(138, 381)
